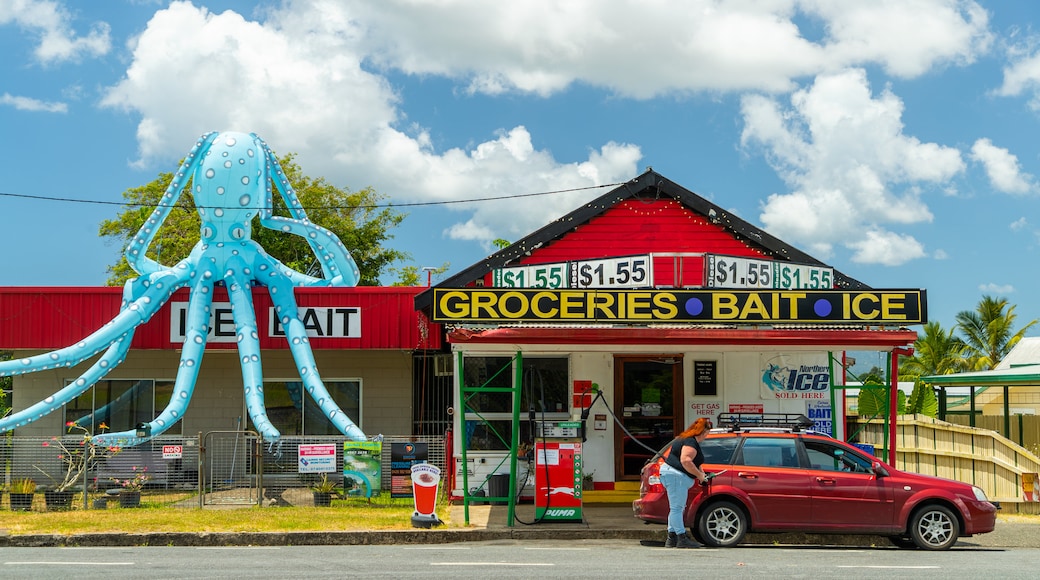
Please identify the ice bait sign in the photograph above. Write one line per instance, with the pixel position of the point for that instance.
(319, 322)
(701, 305)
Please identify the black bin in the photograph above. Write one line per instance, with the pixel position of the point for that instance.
(498, 486)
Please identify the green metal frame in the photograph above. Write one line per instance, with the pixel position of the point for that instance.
(466, 393)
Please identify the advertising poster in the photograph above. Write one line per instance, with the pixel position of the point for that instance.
(803, 376)
(318, 458)
(402, 457)
(820, 413)
(362, 471)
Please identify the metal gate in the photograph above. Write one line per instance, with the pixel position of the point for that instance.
(233, 473)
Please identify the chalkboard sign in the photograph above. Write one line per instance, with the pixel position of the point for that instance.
(705, 378)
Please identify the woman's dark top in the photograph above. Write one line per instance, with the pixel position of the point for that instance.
(675, 454)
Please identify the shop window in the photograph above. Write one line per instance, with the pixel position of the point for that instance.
(544, 390)
(293, 412)
(120, 404)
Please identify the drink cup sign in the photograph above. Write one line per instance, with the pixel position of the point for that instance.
(426, 479)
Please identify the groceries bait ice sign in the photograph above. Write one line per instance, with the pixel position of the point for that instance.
(795, 376)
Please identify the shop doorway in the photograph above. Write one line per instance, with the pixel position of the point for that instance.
(648, 399)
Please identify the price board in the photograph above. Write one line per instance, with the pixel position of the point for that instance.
(550, 276)
(621, 272)
(741, 272)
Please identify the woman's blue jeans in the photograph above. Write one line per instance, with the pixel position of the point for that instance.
(678, 485)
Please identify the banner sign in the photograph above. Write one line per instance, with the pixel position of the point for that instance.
(317, 458)
(402, 457)
(495, 305)
(362, 467)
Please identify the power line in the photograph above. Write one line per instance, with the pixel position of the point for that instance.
(365, 206)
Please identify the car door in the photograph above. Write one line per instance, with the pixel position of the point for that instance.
(768, 473)
(846, 494)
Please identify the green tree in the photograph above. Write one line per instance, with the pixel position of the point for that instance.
(409, 275)
(937, 352)
(353, 216)
(988, 332)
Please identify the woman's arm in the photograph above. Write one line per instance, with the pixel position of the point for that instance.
(686, 458)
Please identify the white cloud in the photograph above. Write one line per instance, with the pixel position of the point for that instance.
(52, 23)
(1002, 167)
(852, 170)
(996, 289)
(28, 104)
(642, 49)
(296, 78)
(940, 255)
(297, 81)
(886, 248)
(1019, 224)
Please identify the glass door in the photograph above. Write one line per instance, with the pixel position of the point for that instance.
(648, 399)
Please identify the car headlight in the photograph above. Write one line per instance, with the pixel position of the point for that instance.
(979, 494)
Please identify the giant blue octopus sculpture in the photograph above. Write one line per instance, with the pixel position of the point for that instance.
(231, 176)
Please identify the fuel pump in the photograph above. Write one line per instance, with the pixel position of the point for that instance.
(558, 471)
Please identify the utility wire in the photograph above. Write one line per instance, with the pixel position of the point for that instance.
(348, 207)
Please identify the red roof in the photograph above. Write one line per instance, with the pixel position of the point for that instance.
(55, 317)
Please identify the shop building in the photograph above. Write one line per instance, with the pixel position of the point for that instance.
(656, 307)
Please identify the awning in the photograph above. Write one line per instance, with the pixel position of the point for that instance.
(830, 339)
(1028, 375)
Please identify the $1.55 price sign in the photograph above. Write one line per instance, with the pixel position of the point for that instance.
(739, 272)
(550, 276)
(622, 272)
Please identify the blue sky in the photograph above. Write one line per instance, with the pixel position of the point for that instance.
(894, 140)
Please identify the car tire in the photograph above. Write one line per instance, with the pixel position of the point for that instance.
(722, 525)
(695, 533)
(934, 527)
(904, 542)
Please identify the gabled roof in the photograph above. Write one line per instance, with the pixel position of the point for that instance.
(649, 185)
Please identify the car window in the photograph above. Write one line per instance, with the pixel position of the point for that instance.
(828, 457)
(769, 452)
(719, 450)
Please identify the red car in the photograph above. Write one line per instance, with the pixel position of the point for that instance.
(783, 479)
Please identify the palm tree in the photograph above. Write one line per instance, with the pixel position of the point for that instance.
(937, 352)
(988, 332)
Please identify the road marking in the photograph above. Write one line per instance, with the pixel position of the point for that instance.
(896, 567)
(491, 564)
(67, 562)
(438, 548)
(560, 549)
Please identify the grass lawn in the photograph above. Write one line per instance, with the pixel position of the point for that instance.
(343, 515)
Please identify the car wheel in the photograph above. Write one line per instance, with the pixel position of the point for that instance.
(934, 527)
(696, 535)
(722, 525)
(903, 542)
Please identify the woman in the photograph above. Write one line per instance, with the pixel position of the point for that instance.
(681, 469)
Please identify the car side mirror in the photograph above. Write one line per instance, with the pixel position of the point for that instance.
(879, 469)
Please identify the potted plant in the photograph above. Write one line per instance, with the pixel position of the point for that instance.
(130, 488)
(323, 490)
(22, 491)
(76, 455)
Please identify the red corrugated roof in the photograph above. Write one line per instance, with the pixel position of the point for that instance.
(55, 317)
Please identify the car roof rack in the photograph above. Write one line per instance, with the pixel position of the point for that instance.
(736, 421)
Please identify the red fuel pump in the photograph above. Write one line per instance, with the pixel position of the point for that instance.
(558, 472)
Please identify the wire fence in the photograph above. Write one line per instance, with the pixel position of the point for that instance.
(228, 467)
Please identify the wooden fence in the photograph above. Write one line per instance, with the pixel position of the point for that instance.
(973, 455)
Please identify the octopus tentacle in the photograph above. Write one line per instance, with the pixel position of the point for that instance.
(137, 310)
(286, 310)
(199, 310)
(238, 285)
(337, 264)
(136, 250)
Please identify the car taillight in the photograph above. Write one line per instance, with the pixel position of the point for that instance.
(653, 478)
